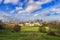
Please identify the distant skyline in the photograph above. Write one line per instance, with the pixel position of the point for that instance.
(24, 10)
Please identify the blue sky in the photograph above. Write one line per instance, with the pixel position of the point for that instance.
(23, 10)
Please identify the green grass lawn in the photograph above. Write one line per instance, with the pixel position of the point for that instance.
(26, 34)
(27, 28)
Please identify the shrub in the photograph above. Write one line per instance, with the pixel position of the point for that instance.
(13, 27)
(1, 25)
(42, 29)
(17, 28)
(51, 33)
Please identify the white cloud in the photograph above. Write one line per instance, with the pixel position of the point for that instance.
(36, 15)
(24, 14)
(50, 11)
(33, 6)
(12, 11)
(19, 8)
(21, 12)
(1, 1)
(56, 10)
(39, 1)
(4, 14)
(44, 14)
(5, 17)
(11, 1)
(44, 1)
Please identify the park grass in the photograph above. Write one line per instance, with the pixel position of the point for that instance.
(27, 36)
(26, 33)
(29, 28)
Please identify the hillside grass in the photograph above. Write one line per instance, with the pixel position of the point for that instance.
(27, 36)
(29, 28)
(26, 33)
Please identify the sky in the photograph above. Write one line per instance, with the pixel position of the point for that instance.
(24, 10)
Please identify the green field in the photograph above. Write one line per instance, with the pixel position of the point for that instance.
(27, 33)
(27, 36)
(26, 28)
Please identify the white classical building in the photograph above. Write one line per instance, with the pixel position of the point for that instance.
(33, 24)
(29, 24)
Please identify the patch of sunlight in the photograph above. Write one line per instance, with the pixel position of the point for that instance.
(29, 28)
(47, 28)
